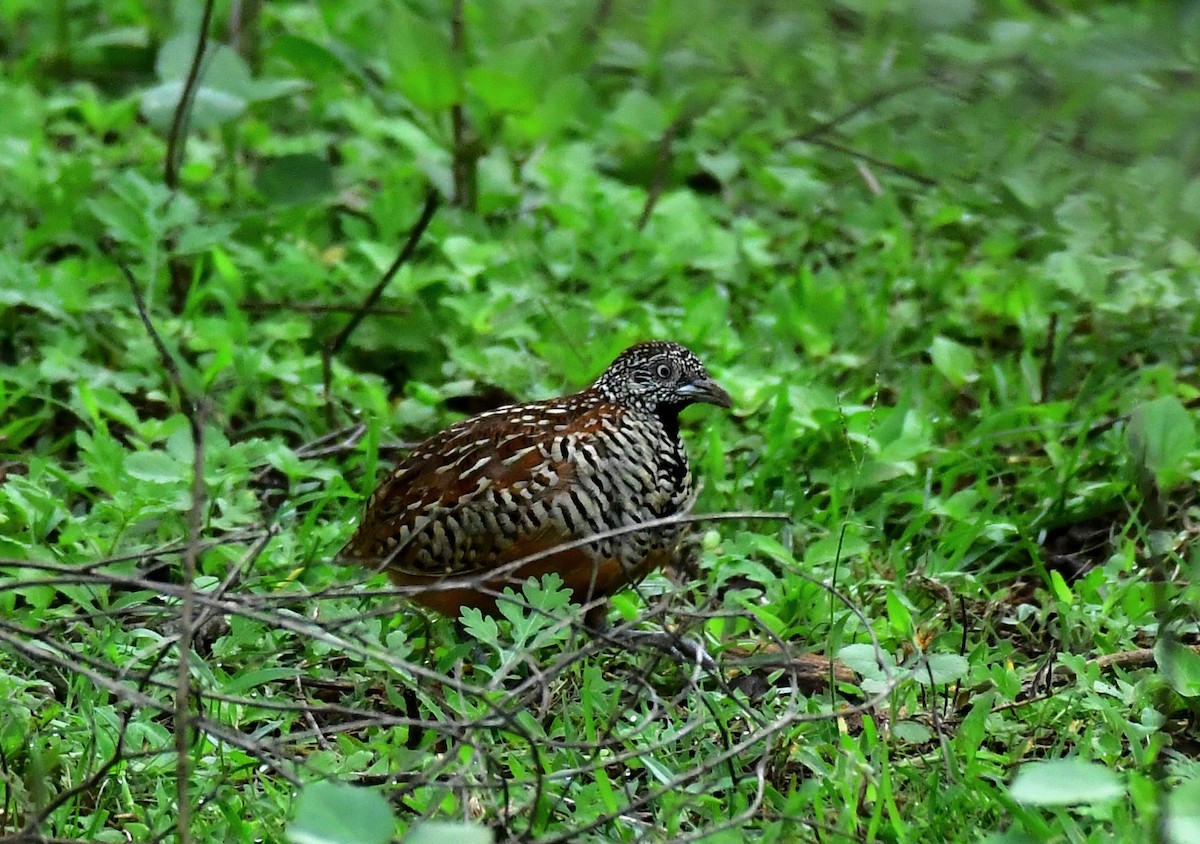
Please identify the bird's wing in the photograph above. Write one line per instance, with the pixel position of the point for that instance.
(478, 494)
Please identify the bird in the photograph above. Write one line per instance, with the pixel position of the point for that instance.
(462, 512)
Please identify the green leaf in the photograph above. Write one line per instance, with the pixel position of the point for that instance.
(1183, 812)
(899, 615)
(310, 57)
(864, 659)
(210, 106)
(1065, 782)
(448, 832)
(221, 92)
(509, 80)
(1058, 585)
(295, 179)
(1162, 435)
(479, 626)
(224, 89)
(639, 116)
(1180, 665)
(940, 669)
(423, 68)
(156, 467)
(912, 732)
(249, 679)
(955, 361)
(336, 813)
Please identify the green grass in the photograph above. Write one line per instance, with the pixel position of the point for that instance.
(943, 255)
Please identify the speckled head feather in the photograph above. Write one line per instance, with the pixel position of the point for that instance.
(659, 377)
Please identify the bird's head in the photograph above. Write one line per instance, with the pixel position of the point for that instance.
(660, 377)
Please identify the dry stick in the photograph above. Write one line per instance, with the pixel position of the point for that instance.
(1141, 658)
(296, 624)
(56, 652)
(178, 269)
(1166, 621)
(461, 157)
(681, 781)
(1048, 358)
(259, 306)
(665, 145)
(870, 102)
(194, 412)
(406, 252)
(42, 652)
(939, 729)
(730, 751)
(36, 819)
(183, 108)
(878, 162)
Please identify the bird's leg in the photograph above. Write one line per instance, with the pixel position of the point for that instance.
(595, 620)
(685, 650)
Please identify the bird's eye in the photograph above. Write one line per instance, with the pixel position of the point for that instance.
(664, 371)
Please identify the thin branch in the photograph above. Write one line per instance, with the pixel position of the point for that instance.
(194, 412)
(663, 165)
(306, 308)
(36, 819)
(870, 159)
(183, 108)
(167, 359)
(858, 108)
(430, 207)
(461, 160)
(432, 200)
(1048, 358)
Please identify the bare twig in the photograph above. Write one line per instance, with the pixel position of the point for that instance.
(193, 410)
(178, 129)
(1048, 358)
(462, 157)
(307, 308)
(661, 168)
(406, 252)
(853, 111)
(871, 159)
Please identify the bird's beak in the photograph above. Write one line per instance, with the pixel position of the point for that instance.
(704, 390)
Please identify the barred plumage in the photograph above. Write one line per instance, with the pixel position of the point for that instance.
(524, 479)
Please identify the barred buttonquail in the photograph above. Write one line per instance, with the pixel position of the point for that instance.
(525, 479)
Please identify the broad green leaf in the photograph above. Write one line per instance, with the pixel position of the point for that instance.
(913, 732)
(448, 832)
(1058, 585)
(423, 68)
(335, 813)
(639, 116)
(295, 179)
(156, 467)
(1180, 665)
(899, 615)
(1065, 782)
(836, 547)
(954, 360)
(1183, 812)
(864, 659)
(312, 58)
(221, 93)
(249, 679)
(224, 88)
(1162, 435)
(940, 669)
(509, 80)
